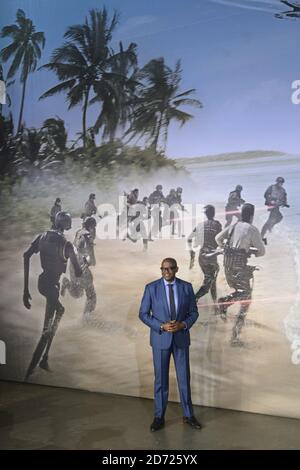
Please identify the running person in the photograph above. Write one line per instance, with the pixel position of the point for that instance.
(239, 242)
(54, 251)
(204, 236)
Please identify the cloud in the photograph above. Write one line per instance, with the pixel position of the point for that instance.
(258, 5)
(136, 24)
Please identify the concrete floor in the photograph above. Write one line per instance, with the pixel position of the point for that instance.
(40, 417)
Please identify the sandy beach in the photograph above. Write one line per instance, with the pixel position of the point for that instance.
(112, 354)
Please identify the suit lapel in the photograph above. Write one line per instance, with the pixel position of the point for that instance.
(179, 294)
(162, 295)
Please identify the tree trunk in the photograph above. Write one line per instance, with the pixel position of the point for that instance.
(155, 141)
(166, 135)
(85, 105)
(22, 106)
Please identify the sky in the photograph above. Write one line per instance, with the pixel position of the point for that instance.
(238, 56)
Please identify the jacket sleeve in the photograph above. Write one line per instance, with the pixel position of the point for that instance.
(145, 314)
(193, 309)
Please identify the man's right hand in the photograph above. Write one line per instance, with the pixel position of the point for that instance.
(167, 326)
(26, 299)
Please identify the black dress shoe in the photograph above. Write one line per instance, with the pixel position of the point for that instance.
(157, 424)
(192, 421)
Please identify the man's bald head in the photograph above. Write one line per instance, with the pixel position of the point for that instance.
(169, 260)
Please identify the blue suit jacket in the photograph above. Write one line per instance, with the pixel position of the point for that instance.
(154, 311)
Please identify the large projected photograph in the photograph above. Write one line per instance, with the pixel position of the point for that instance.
(138, 138)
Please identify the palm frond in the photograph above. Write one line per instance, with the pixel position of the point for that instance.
(58, 88)
(179, 116)
(39, 38)
(20, 15)
(16, 62)
(75, 95)
(64, 71)
(185, 93)
(188, 102)
(10, 30)
(8, 51)
(69, 53)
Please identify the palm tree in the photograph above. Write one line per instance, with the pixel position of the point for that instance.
(24, 50)
(158, 101)
(117, 102)
(32, 156)
(84, 63)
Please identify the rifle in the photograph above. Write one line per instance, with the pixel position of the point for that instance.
(217, 252)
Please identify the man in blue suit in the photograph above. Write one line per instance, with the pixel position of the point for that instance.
(169, 308)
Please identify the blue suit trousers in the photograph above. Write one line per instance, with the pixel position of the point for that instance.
(161, 361)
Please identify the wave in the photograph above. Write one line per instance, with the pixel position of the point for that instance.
(292, 320)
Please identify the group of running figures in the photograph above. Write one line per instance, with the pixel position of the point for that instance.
(238, 242)
(153, 210)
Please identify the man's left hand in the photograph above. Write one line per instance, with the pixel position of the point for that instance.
(176, 326)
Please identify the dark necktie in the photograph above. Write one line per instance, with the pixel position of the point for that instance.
(172, 302)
